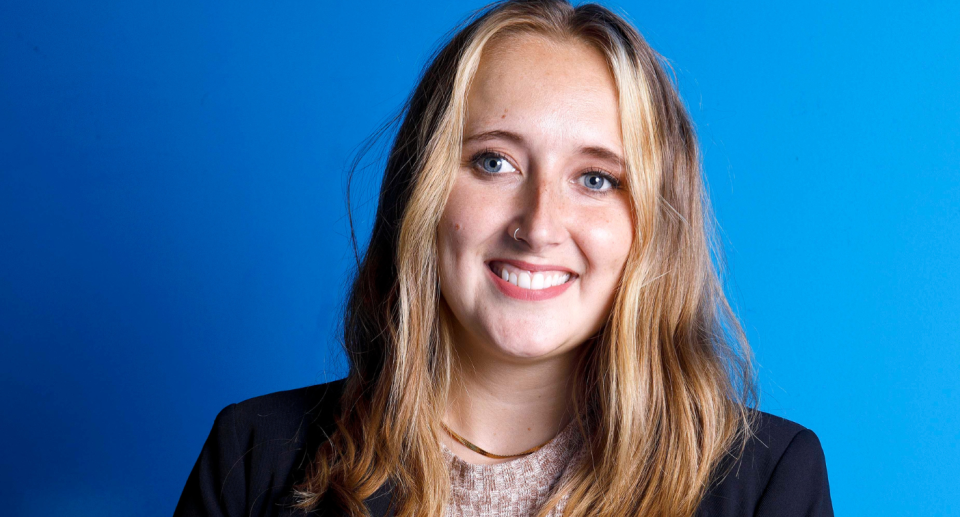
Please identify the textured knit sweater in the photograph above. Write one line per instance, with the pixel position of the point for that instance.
(517, 488)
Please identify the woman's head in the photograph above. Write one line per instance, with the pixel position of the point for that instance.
(570, 99)
(537, 225)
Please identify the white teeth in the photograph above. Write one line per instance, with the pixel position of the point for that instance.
(524, 280)
(531, 280)
(537, 282)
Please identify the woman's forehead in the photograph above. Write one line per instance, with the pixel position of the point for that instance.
(544, 89)
(531, 65)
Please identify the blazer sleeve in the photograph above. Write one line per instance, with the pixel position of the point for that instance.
(798, 484)
(218, 476)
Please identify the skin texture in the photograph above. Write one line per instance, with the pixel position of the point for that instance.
(559, 101)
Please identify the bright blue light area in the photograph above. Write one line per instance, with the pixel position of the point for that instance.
(173, 234)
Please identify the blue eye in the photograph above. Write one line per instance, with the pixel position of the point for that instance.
(493, 163)
(598, 181)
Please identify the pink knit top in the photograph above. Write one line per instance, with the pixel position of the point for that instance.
(516, 488)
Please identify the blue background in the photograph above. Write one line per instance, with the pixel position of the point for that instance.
(173, 232)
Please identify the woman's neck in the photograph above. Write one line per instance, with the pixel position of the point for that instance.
(508, 407)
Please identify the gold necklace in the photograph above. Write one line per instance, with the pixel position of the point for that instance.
(463, 441)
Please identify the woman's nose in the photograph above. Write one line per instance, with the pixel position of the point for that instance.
(542, 216)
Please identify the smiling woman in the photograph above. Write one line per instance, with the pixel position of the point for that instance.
(537, 327)
(532, 206)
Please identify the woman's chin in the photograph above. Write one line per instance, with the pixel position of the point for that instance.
(524, 350)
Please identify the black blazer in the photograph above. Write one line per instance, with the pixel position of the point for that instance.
(258, 449)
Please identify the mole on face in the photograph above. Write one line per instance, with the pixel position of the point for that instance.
(456, 227)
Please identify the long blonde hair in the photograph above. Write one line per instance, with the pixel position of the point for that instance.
(663, 390)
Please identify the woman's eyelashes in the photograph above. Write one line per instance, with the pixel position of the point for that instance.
(493, 163)
(599, 181)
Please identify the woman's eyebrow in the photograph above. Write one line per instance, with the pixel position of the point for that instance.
(602, 153)
(493, 135)
(595, 151)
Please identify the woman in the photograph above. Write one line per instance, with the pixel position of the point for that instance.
(537, 327)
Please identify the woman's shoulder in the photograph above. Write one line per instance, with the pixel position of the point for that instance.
(283, 425)
(289, 418)
(772, 435)
(276, 412)
(258, 450)
(781, 470)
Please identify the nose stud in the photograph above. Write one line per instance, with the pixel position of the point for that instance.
(515, 234)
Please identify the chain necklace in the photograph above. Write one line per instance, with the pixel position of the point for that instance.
(463, 441)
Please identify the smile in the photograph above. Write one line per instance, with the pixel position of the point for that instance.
(528, 279)
(530, 282)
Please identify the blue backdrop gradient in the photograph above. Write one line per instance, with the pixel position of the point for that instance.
(173, 232)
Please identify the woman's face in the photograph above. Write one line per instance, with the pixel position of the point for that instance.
(542, 152)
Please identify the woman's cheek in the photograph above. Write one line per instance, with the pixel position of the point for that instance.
(473, 211)
(456, 230)
(607, 237)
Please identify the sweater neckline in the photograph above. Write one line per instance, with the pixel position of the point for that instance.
(551, 458)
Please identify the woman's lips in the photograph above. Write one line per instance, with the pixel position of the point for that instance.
(530, 282)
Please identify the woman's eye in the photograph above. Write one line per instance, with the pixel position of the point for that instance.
(494, 163)
(598, 181)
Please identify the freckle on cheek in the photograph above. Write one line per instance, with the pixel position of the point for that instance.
(456, 227)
